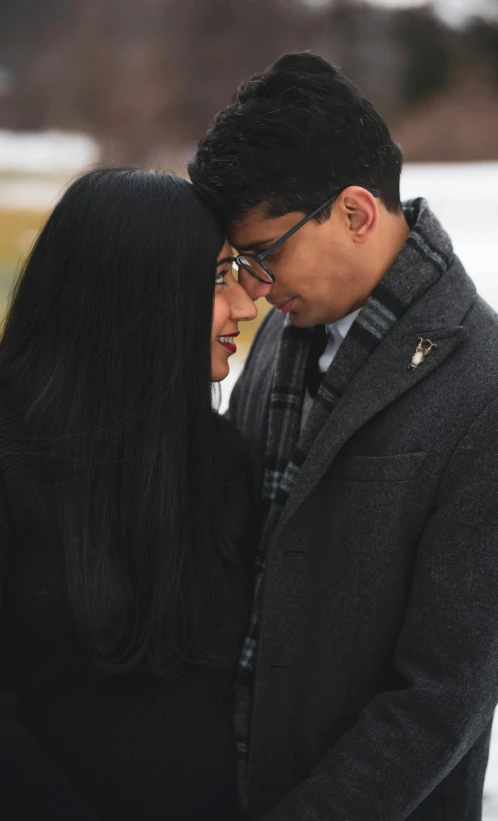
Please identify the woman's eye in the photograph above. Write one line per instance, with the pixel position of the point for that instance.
(220, 278)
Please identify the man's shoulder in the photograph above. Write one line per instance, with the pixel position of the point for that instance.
(454, 302)
(483, 310)
(474, 373)
(481, 327)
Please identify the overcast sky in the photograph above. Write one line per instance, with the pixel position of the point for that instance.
(453, 11)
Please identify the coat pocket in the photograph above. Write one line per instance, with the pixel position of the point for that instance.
(396, 468)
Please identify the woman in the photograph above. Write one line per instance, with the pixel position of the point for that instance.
(127, 579)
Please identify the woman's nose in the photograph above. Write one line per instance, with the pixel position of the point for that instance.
(242, 307)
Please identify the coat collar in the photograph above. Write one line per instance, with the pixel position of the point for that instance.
(438, 316)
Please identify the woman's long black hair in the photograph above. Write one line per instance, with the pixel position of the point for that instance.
(107, 347)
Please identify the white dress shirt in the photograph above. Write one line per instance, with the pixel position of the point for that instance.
(337, 333)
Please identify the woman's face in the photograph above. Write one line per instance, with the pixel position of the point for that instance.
(231, 306)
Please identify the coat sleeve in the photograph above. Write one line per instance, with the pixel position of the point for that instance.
(406, 740)
(31, 786)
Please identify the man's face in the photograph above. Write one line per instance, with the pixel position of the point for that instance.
(318, 276)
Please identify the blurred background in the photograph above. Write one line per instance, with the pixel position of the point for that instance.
(86, 82)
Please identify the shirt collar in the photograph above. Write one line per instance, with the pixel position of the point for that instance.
(343, 325)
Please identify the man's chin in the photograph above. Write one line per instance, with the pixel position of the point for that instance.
(301, 320)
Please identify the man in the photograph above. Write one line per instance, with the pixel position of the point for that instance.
(369, 402)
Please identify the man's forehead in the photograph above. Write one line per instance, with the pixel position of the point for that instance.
(258, 230)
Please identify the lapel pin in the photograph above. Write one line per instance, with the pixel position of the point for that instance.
(424, 347)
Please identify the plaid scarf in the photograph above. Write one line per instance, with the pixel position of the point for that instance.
(425, 257)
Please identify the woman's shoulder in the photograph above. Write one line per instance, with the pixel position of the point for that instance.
(18, 465)
(238, 483)
(228, 433)
(11, 412)
(233, 455)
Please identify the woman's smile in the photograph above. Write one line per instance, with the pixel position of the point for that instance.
(228, 343)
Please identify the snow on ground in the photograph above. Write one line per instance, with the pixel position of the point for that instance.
(46, 151)
(465, 198)
(35, 168)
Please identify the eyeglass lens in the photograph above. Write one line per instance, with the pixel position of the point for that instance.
(253, 267)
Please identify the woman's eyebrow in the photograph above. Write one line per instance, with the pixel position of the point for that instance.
(222, 261)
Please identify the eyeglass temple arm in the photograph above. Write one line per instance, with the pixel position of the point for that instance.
(373, 191)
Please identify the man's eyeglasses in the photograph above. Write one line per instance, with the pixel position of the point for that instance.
(255, 265)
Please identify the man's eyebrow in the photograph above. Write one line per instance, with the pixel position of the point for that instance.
(257, 245)
(222, 261)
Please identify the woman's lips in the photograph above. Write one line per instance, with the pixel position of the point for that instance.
(230, 346)
(227, 342)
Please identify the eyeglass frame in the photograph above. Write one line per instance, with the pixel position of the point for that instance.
(260, 258)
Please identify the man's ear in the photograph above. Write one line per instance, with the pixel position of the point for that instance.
(362, 212)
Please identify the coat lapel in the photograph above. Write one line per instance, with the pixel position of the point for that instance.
(386, 375)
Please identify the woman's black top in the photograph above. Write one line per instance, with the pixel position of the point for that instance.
(80, 743)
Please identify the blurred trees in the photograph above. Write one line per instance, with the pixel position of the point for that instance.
(145, 78)
(428, 48)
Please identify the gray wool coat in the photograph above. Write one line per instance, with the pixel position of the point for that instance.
(377, 672)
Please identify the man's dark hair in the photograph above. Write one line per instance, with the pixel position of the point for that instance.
(292, 137)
